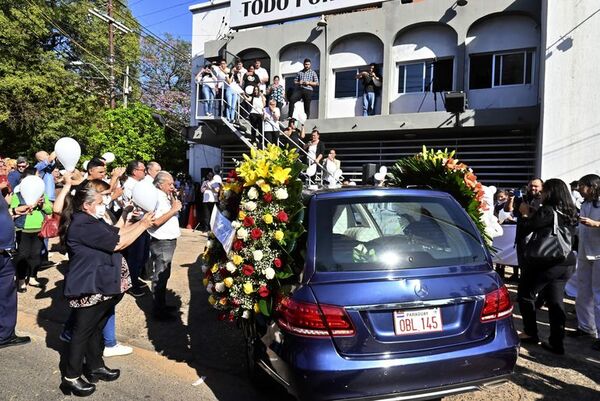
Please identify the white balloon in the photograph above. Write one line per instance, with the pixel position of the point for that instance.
(85, 164)
(311, 170)
(68, 152)
(109, 157)
(145, 195)
(383, 170)
(32, 188)
(337, 174)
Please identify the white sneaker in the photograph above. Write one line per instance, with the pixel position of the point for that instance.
(117, 350)
(33, 282)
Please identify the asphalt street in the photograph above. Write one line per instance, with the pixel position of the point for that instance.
(170, 357)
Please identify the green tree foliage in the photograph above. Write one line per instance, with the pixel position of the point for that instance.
(135, 133)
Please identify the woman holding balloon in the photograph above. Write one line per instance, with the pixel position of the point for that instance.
(30, 192)
(94, 283)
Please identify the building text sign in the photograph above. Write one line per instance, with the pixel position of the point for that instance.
(262, 12)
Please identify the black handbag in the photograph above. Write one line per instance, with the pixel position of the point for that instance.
(549, 246)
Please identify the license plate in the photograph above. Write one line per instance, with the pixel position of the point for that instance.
(417, 321)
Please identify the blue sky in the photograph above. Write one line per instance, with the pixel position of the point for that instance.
(165, 16)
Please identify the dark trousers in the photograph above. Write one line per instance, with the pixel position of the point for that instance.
(136, 256)
(28, 258)
(161, 253)
(301, 94)
(8, 297)
(87, 341)
(207, 208)
(552, 282)
(256, 121)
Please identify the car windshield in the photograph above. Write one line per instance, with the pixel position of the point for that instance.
(394, 233)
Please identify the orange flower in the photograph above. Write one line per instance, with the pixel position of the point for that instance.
(470, 180)
(460, 166)
(451, 164)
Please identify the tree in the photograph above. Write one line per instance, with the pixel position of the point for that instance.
(135, 133)
(41, 97)
(166, 78)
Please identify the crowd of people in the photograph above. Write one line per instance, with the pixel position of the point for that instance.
(113, 247)
(540, 210)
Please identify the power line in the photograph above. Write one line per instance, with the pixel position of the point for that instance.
(168, 19)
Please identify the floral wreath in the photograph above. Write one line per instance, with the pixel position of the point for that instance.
(440, 170)
(262, 198)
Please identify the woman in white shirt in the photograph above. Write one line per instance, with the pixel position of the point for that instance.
(257, 100)
(210, 195)
(588, 263)
(271, 123)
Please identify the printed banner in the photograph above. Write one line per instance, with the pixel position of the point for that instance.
(222, 229)
(246, 13)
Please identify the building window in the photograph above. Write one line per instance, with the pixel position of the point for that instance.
(500, 69)
(290, 86)
(426, 76)
(346, 84)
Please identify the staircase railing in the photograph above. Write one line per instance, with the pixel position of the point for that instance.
(236, 125)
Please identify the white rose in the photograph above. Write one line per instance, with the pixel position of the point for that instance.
(220, 286)
(230, 267)
(281, 193)
(209, 244)
(250, 206)
(257, 255)
(242, 234)
(209, 288)
(236, 224)
(246, 314)
(269, 273)
(253, 193)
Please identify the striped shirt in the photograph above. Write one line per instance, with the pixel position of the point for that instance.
(308, 76)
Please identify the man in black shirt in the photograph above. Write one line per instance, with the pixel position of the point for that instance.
(370, 80)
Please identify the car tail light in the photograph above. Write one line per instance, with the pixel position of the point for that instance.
(312, 320)
(497, 305)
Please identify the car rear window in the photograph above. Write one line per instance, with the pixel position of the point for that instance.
(376, 233)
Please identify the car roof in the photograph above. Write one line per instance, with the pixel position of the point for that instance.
(354, 191)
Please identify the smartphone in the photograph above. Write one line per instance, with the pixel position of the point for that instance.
(518, 193)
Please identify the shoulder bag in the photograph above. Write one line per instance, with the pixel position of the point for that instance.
(549, 246)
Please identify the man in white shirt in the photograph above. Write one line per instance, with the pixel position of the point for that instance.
(163, 242)
(135, 254)
(263, 75)
(152, 168)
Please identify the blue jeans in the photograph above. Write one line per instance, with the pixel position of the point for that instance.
(231, 98)
(368, 104)
(208, 96)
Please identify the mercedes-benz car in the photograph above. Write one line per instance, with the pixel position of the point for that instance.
(397, 300)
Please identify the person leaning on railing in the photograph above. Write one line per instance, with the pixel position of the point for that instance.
(208, 81)
(271, 124)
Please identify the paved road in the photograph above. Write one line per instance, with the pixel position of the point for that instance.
(170, 356)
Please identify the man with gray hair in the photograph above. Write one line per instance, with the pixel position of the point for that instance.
(163, 241)
(152, 169)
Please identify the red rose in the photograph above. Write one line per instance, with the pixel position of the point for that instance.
(282, 216)
(248, 221)
(268, 197)
(232, 174)
(238, 245)
(221, 316)
(263, 291)
(256, 233)
(231, 317)
(277, 262)
(247, 270)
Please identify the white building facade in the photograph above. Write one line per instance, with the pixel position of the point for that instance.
(525, 66)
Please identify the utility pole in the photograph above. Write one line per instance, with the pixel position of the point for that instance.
(111, 52)
(112, 23)
(125, 87)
